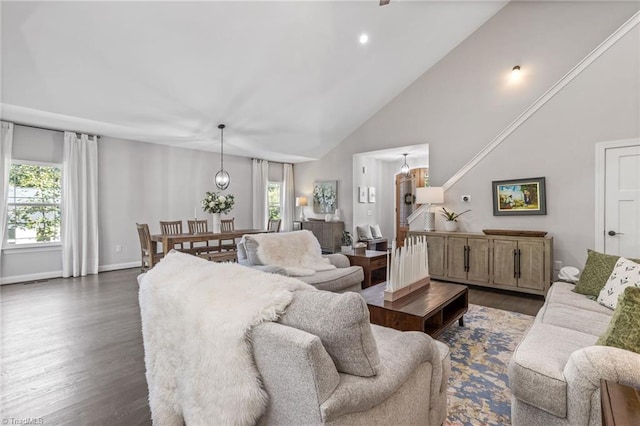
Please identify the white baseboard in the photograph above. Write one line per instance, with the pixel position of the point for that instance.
(58, 274)
(30, 277)
(117, 266)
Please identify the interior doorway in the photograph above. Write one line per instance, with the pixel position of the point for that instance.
(406, 199)
(618, 198)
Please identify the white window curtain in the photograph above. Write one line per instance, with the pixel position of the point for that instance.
(6, 144)
(289, 198)
(260, 177)
(79, 205)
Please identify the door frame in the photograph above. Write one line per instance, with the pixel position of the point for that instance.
(601, 155)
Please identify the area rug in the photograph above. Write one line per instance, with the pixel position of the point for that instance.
(480, 352)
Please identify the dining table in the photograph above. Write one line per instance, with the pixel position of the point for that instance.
(170, 240)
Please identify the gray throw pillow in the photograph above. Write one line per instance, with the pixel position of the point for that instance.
(341, 321)
(376, 232)
(251, 247)
(364, 232)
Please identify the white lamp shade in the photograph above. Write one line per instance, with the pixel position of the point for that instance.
(301, 201)
(430, 195)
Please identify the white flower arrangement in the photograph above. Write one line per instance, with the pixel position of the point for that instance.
(215, 202)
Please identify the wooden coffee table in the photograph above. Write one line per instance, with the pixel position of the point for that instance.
(430, 309)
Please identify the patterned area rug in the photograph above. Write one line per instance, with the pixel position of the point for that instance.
(480, 353)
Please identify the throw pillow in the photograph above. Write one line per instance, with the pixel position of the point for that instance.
(375, 231)
(625, 274)
(364, 232)
(341, 321)
(596, 272)
(251, 248)
(624, 329)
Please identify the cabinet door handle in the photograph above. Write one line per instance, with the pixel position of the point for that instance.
(465, 258)
(468, 258)
(519, 266)
(515, 263)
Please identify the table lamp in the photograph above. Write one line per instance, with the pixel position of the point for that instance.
(301, 202)
(429, 195)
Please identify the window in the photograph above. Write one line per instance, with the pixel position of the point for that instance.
(274, 194)
(34, 205)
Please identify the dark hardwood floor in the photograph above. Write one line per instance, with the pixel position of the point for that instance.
(72, 349)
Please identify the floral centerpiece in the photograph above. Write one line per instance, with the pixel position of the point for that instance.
(215, 202)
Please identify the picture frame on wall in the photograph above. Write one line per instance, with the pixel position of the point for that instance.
(325, 196)
(372, 194)
(362, 194)
(519, 197)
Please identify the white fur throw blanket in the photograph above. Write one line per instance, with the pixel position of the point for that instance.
(298, 252)
(196, 316)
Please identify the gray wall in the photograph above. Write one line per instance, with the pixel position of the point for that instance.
(466, 99)
(137, 182)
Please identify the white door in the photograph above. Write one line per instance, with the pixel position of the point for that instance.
(622, 201)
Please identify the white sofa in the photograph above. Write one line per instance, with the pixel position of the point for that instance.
(555, 371)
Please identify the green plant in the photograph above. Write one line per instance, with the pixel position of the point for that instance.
(347, 239)
(451, 215)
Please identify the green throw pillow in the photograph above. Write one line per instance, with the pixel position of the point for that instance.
(596, 272)
(624, 329)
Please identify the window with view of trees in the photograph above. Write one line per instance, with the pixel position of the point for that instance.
(274, 191)
(34, 205)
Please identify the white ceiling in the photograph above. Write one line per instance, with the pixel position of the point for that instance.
(289, 79)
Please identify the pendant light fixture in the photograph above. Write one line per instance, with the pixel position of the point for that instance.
(405, 167)
(222, 178)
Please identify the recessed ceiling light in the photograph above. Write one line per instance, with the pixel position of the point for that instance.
(364, 38)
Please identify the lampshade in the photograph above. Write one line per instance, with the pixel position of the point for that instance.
(430, 195)
(301, 202)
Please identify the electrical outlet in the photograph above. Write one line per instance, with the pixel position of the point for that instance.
(466, 198)
(118, 248)
(369, 212)
(557, 265)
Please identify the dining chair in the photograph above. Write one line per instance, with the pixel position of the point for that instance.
(200, 227)
(227, 225)
(148, 248)
(172, 227)
(274, 225)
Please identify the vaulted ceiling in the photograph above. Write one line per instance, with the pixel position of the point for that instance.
(289, 79)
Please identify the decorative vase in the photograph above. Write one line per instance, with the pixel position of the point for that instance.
(328, 217)
(345, 249)
(216, 222)
(450, 225)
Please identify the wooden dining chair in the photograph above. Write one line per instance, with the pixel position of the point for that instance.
(227, 225)
(148, 248)
(172, 227)
(274, 225)
(200, 227)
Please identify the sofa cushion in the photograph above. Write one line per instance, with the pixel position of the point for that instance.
(364, 233)
(341, 321)
(624, 329)
(561, 293)
(596, 272)
(582, 320)
(336, 280)
(536, 368)
(396, 366)
(625, 274)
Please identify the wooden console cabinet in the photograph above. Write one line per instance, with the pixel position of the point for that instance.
(506, 262)
(329, 234)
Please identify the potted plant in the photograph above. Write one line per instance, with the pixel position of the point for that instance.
(347, 240)
(451, 219)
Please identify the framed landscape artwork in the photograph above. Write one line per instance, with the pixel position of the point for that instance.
(519, 197)
(325, 196)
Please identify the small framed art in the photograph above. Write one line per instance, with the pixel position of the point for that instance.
(517, 197)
